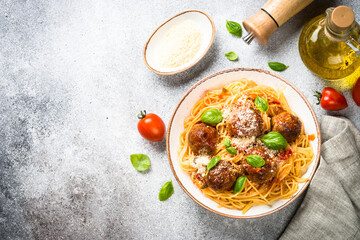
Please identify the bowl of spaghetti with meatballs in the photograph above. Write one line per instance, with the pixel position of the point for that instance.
(243, 143)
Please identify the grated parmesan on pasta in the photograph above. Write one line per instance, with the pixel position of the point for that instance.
(181, 44)
(200, 163)
(243, 143)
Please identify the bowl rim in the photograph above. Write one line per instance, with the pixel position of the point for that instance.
(196, 61)
(317, 157)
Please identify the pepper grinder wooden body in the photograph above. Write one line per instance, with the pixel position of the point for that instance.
(270, 17)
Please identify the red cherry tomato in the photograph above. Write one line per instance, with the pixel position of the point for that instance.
(332, 100)
(356, 92)
(151, 127)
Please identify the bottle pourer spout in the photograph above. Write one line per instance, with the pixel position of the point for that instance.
(248, 38)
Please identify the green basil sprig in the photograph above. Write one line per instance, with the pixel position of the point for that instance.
(227, 142)
(261, 104)
(276, 66)
(231, 150)
(234, 28)
(239, 185)
(255, 160)
(141, 162)
(212, 116)
(212, 163)
(274, 140)
(232, 56)
(166, 191)
(228, 146)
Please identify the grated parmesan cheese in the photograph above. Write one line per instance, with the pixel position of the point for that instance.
(200, 163)
(181, 44)
(226, 113)
(243, 143)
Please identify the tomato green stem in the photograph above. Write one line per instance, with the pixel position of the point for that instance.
(142, 114)
(318, 95)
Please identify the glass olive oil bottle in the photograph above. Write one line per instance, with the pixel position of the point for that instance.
(329, 44)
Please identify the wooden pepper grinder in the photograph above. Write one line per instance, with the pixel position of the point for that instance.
(270, 17)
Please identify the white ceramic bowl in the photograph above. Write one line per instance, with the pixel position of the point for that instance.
(297, 102)
(154, 44)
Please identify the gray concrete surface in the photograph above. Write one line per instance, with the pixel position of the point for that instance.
(72, 82)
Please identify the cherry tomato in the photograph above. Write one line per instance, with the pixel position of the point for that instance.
(151, 127)
(356, 92)
(332, 100)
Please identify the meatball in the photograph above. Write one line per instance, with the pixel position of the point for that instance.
(288, 125)
(267, 172)
(245, 121)
(203, 139)
(222, 176)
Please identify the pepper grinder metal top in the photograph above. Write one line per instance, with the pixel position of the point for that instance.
(270, 17)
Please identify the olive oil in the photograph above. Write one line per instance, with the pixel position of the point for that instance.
(329, 45)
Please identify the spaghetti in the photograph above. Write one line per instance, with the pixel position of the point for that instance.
(291, 162)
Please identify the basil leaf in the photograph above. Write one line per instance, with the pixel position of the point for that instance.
(240, 183)
(141, 162)
(212, 116)
(274, 140)
(231, 150)
(213, 163)
(276, 66)
(166, 191)
(227, 142)
(255, 160)
(232, 56)
(234, 28)
(261, 104)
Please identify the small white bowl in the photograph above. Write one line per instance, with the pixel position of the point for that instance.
(297, 102)
(154, 44)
